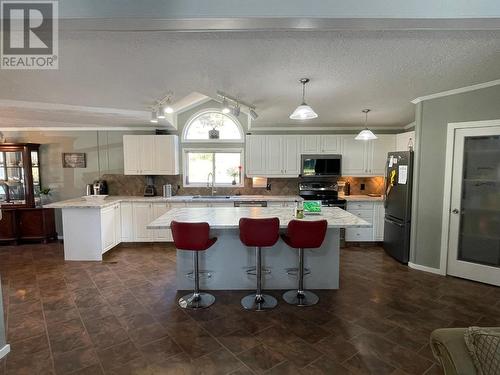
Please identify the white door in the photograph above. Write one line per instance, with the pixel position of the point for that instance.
(474, 235)
(147, 154)
(291, 155)
(142, 217)
(131, 154)
(330, 144)
(377, 156)
(274, 155)
(255, 155)
(354, 156)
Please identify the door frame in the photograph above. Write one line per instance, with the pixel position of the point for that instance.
(448, 176)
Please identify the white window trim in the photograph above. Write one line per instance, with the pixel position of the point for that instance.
(208, 110)
(215, 150)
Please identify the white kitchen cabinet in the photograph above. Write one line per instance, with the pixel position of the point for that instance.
(366, 158)
(321, 144)
(151, 154)
(110, 227)
(273, 155)
(373, 212)
(160, 235)
(255, 155)
(127, 222)
(143, 214)
(377, 155)
(354, 156)
(402, 140)
(107, 228)
(378, 221)
(291, 155)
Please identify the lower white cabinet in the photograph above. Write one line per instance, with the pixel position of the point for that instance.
(373, 212)
(143, 214)
(127, 222)
(160, 234)
(110, 227)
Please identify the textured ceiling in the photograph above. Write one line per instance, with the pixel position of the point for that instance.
(349, 71)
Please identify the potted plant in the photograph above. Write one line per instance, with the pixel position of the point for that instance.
(44, 194)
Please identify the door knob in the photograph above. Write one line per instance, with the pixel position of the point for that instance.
(455, 211)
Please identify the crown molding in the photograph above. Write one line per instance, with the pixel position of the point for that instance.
(79, 128)
(456, 91)
(288, 128)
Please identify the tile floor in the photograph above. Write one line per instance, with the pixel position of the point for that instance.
(120, 317)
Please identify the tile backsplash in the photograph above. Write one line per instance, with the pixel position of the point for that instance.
(134, 185)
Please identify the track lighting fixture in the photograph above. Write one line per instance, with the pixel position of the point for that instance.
(253, 114)
(161, 111)
(235, 111)
(225, 106)
(154, 116)
(168, 107)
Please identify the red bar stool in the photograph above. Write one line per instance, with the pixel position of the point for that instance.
(194, 237)
(303, 235)
(259, 233)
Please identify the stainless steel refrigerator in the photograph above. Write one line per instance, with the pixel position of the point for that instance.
(397, 202)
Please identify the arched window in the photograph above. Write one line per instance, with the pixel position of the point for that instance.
(212, 126)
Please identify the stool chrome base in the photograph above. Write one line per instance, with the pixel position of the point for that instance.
(199, 301)
(266, 302)
(306, 298)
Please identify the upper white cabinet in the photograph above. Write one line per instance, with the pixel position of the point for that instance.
(273, 155)
(151, 154)
(366, 158)
(321, 144)
(378, 153)
(402, 140)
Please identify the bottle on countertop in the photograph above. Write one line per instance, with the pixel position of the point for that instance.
(299, 210)
(347, 188)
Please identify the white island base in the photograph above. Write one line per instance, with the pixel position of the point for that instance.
(228, 260)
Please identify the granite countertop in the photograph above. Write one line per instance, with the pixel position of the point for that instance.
(361, 198)
(228, 217)
(112, 199)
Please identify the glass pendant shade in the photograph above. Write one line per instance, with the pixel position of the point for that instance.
(365, 135)
(303, 112)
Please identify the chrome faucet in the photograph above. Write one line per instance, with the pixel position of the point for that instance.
(213, 183)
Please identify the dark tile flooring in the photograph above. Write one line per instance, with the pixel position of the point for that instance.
(120, 317)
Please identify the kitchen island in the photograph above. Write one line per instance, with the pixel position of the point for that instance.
(228, 260)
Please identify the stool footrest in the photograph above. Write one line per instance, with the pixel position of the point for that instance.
(295, 271)
(204, 275)
(253, 271)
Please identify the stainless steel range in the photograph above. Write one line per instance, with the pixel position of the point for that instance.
(325, 191)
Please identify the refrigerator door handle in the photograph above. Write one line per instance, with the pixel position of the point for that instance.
(394, 222)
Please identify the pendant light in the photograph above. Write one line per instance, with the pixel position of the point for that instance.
(365, 134)
(303, 111)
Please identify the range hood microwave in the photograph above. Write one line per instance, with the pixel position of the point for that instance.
(321, 165)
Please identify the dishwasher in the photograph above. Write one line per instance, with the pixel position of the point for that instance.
(250, 203)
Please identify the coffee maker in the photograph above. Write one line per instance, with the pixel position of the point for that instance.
(149, 189)
(100, 187)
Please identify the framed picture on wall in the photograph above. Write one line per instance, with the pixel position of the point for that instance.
(74, 160)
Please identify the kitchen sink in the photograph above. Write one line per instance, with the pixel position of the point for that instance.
(211, 197)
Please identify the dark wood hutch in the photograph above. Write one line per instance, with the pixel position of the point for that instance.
(23, 217)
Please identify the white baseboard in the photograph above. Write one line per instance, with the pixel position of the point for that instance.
(4, 351)
(437, 271)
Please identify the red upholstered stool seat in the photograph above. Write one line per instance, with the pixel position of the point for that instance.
(302, 235)
(259, 233)
(193, 237)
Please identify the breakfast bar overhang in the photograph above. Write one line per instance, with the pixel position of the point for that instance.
(227, 265)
